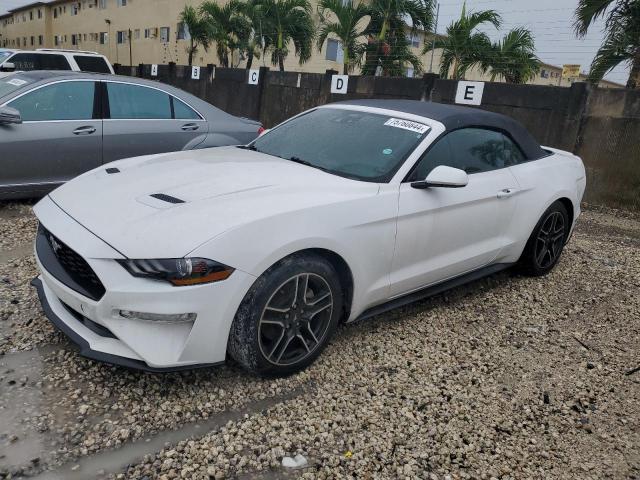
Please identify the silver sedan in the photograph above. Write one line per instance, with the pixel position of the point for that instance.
(57, 125)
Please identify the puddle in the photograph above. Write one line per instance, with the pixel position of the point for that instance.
(15, 253)
(101, 464)
(20, 398)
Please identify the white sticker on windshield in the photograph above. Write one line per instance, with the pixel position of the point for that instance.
(17, 82)
(407, 125)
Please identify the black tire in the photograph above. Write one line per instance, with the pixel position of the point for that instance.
(261, 317)
(546, 242)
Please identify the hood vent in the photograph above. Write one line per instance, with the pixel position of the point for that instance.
(166, 198)
(112, 170)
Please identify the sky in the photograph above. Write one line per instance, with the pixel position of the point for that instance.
(550, 21)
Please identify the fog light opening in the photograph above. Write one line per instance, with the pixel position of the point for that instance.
(158, 317)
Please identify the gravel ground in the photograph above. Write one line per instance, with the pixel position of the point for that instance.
(509, 377)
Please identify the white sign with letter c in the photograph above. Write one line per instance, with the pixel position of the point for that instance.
(254, 77)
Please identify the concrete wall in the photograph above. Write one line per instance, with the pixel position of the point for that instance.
(600, 125)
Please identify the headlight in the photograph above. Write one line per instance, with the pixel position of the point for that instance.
(178, 271)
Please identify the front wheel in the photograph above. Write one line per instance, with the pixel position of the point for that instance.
(287, 317)
(546, 242)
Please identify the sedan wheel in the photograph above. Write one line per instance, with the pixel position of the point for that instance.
(287, 317)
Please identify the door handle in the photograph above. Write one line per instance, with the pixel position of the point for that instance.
(190, 127)
(88, 130)
(507, 192)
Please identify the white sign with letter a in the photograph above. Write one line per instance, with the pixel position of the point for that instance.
(195, 73)
(254, 77)
(339, 83)
(469, 93)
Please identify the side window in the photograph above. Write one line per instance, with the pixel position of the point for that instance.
(25, 61)
(184, 112)
(60, 101)
(53, 62)
(439, 154)
(512, 153)
(477, 150)
(128, 101)
(91, 64)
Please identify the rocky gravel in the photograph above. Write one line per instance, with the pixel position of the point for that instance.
(509, 377)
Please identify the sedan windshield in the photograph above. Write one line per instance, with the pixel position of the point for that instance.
(11, 83)
(4, 55)
(354, 144)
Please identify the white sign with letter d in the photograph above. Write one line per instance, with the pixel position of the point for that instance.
(339, 83)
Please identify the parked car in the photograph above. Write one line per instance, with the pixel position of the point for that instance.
(57, 125)
(54, 59)
(4, 53)
(173, 261)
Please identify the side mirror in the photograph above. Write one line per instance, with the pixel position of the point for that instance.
(8, 67)
(9, 115)
(443, 176)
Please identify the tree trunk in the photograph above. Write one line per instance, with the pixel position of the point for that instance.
(191, 54)
(249, 61)
(281, 61)
(345, 61)
(634, 75)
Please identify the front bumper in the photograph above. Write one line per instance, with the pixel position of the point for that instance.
(95, 325)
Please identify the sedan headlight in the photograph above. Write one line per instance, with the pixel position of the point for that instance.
(178, 271)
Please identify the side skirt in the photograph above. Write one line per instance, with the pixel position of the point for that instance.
(433, 290)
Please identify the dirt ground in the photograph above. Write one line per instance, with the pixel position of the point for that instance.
(509, 377)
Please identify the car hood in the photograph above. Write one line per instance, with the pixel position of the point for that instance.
(166, 205)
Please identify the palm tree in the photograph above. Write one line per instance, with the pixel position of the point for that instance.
(252, 45)
(388, 47)
(514, 58)
(348, 18)
(198, 31)
(227, 27)
(463, 47)
(621, 43)
(285, 22)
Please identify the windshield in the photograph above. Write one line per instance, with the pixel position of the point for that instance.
(11, 83)
(353, 144)
(4, 55)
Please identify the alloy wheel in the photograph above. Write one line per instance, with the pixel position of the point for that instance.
(550, 239)
(295, 319)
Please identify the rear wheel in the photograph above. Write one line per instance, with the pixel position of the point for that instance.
(547, 240)
(288, 316)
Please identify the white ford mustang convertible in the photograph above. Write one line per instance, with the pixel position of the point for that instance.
(258, 252)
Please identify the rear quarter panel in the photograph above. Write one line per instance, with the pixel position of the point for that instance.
(541, 183)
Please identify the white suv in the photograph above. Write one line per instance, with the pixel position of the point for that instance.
(51, 59)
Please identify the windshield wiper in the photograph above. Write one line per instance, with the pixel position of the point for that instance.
(248, 147)
(302, 162)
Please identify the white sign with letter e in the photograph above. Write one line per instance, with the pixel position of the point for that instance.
(195, 73)
(339, 83)
(154, 70)
(254, 77)
(469, 93)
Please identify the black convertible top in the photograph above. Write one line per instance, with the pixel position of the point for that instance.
(454, 117)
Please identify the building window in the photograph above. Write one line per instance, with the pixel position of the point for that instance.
(334, 51)
(55, 13)
(183, 31)
(74, 39)
(104, 38)
(102, 4)
(75, 8)
(136, 34)
(122, 3)
(39, 13)
(31, 15)
(56, 40)
(413, 39)
(40, 40)
(164, 34)
(122, 37)
(409, 72)
(33, 41)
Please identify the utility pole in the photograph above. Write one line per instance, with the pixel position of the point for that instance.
(130, 50)
(435, 32)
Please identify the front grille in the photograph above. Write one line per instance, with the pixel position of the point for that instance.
(67, 266)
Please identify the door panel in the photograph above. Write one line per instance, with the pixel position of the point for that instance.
(142, 122)
(445, 232)
(58, 140)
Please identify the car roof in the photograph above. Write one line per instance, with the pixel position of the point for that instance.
(454, 117)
